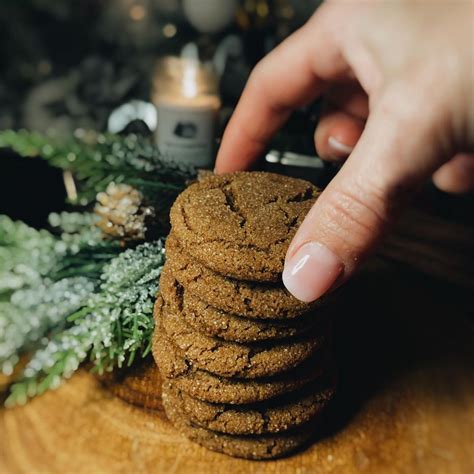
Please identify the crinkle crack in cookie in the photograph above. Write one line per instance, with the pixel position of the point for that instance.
(249, 447)
(233, 359)
(212, 388)
(217, 323)
(242, 298)
(275, 416)
(241, 224)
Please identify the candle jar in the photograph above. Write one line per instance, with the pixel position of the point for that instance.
(185, 93)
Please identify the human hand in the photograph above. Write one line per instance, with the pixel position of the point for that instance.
(399, 80)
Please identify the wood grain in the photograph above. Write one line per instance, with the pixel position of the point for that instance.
(433, 246)
(405, 404)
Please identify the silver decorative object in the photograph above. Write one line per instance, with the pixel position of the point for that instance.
(130, 111)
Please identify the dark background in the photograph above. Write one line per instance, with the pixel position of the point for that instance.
(67, 65)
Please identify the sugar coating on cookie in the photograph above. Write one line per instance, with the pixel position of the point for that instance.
(275, 416)
(212, 388)
(232, 359)
(241, 224)
(252, 300)
(249, 447)
(214, 322)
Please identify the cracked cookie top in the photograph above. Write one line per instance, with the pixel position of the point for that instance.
(232, 359)
(271, 416)
(241, 224)
(206, 319)
(266, 446)
(242, 298)
(212, 388)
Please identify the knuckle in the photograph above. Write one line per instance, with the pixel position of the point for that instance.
(409, 98)
(257, 72)
(405, 105)
(356, 218)
(412, 111)
(262, 74)
(259, 85)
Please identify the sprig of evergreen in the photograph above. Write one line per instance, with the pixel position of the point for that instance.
(69, 294)
(32, 313)
(44, 277)
(26, 255)
(113, 327)
(98, 159)
(81, 245)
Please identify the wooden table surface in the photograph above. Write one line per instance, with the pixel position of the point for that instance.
(405, 403)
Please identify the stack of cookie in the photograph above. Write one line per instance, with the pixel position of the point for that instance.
(246, 366)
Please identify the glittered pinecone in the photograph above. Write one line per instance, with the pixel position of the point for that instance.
(124, 214)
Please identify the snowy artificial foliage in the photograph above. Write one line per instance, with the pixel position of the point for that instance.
(26, 254)
(32, 313)
(74, 293)
(114, 326)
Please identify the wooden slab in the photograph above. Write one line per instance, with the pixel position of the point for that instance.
(406, 400)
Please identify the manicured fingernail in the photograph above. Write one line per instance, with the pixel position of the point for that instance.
(311, 271)
(339, 147)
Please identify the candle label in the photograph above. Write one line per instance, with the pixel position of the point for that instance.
(186, 134)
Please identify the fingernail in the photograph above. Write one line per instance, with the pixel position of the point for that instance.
(311, 271)
(340, 147)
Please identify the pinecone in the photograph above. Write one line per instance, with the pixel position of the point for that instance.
(124, 213)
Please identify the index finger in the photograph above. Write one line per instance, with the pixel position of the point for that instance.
(292, 75)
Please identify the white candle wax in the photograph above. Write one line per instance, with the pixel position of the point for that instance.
(187, 105)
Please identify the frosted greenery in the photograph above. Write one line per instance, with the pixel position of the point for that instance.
(26, 254)
(113, 328)
(32, 313)
(68, 294)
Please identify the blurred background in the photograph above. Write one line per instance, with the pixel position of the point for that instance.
(92, 65)
(68, 65)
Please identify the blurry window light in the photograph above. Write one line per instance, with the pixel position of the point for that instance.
(137, 12)
(169, 30)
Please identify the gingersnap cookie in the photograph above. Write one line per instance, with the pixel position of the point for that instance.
(274, 416)
(138, 385)
(241, 224)
(251, 300)
(217, 323)
(212, 388)
(248, 447)
(233, 359)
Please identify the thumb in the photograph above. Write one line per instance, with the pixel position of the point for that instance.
(398, 150)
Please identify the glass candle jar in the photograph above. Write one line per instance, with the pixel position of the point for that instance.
(185, 93)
